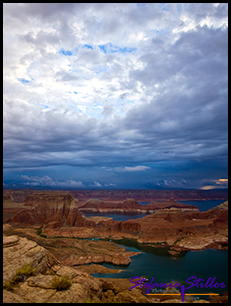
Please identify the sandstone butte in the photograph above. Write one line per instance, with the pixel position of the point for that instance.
(132, 206)
(57, 213)
(18, 251)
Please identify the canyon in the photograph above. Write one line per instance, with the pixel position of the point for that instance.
(177, 225)
(38, 288)
(48, 230)
(132, 206)
(38, 285)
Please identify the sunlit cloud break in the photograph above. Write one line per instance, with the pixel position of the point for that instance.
(220, 183)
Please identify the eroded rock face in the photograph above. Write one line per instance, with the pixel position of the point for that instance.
(39, 289)
(84, 288)
(132, 206)
(221, 220)
(18, 252)
(24, 218)
(174, 227)
(51, 209)
(57, 212)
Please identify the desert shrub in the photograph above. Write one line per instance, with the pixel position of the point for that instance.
(39, 231)
(90, 300)
(20, 276)
(25, 271)
(61, 283)
(9, 286)
(44, 236)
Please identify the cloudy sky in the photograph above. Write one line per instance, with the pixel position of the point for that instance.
(115, 95)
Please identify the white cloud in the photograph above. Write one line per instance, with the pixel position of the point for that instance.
(47, 181)
(96, 184)
(110, 185)
(137, 168)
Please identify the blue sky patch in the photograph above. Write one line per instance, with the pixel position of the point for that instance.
(110, 48)
(23, 80)
(65, 52)
(46, 106)
(102, 70)
(88, 47)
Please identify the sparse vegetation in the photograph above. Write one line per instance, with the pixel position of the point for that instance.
(25, 271)
(61, 282)
(178, 240)
(9, 286)
(39, 232)
(20, 276)
(90, 300)
(44, 236)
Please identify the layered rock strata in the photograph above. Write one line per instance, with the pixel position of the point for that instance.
(18, 252)
(50, 209)
(132, 206)
(38, 288)
(19, 196)
(151, 195)
(84, 288)
(59, 215)
(174, 227)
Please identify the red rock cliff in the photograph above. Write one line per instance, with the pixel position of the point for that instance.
(49, 207)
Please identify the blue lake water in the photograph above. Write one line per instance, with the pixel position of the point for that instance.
(202, 205)
(157, 263)
(116, 217)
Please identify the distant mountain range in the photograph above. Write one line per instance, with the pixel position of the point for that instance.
(139, 195)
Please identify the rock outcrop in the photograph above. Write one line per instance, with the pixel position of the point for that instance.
(38, 288)
(132, 206)
(18, 196)
(174, 227)
(18, 252)
(58, 214)
(50, 209)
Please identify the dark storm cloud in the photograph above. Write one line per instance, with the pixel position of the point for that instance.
(120, 86)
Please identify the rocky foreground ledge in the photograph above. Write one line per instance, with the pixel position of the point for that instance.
(38, 288)
(18, 252)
